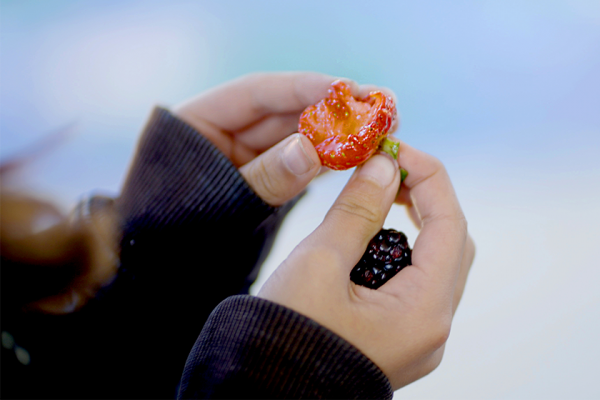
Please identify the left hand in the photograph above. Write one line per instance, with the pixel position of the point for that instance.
(402, 326)
(250, 120)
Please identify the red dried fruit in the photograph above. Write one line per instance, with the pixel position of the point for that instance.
(347, 131)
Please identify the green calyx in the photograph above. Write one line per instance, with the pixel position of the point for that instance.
(390, 147)
(403, 175)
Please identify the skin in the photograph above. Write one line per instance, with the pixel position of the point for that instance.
(403, 326)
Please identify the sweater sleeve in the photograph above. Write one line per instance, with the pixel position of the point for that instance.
(192, 233)
(184, 205)
(253, 348)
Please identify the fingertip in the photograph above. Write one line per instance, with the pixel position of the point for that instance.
(354, 86)
(313, 86)
(380, 168)
(365, 90)
(282, 172)
(397, 121)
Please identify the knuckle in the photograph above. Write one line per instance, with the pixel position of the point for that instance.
(432, 168)
(256, 81)
(264, 183)
(357, 207)
(459, 221)
(439, 332)
(463, 224)
(457, 218)
(434, 361)
(436, 164)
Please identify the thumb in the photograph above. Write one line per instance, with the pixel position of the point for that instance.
(360, 210)
(283, 171)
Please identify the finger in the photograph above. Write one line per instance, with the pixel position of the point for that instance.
(324, 170)
(256, 96)
(359, 211)
(265, 133)
(404, 199)
(465, 267)
(364, 90)
(413, 214)
(239, 153)
(282, 172)
(439, 247)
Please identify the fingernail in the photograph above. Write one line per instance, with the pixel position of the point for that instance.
(379, 168)
(295, 157)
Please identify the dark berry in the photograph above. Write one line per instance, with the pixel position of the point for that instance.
(387, 253)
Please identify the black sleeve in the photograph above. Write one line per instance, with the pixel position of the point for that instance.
(253, 348)
(193, 233)
(188, 213)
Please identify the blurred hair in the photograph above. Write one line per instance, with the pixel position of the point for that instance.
(44, 253)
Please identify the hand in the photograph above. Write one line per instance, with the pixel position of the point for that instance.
(250, 120)
(403, 326)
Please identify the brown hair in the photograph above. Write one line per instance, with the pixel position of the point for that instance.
(51, 262)
(41, 253)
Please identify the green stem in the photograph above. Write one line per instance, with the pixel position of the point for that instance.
(403, 175)
(390, 147)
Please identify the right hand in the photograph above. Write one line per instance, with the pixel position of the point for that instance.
(403, 326)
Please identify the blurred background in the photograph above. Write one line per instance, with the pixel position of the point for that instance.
(506, 94)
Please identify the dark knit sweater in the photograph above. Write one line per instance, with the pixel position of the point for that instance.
(193, 238)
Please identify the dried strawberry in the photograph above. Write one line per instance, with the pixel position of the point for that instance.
(347, 131)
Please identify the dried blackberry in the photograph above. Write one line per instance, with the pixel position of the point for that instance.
(387, 253)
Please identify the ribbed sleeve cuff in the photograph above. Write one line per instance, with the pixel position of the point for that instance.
(184, 205)
(253, 348)
(178, 177)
